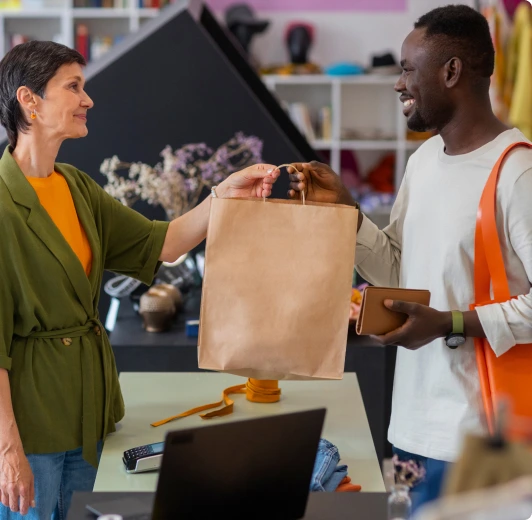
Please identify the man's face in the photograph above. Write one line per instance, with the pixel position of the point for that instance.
(426, 101)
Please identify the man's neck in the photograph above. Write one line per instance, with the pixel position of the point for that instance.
(470, 129)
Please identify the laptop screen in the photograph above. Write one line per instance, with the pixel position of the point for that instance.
(259, 468)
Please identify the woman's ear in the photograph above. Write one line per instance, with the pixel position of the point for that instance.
(26, 98)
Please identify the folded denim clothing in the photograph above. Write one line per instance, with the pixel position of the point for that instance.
(327, 474)
(338, 475)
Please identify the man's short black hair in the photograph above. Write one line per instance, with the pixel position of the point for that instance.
(30, 64)
(461, 31)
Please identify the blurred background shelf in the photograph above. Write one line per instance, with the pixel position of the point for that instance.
(359, 113)
(59, 20)
(358, 116)
(32, 13)
(100, 12)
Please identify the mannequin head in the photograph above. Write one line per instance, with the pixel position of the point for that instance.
(299, 39)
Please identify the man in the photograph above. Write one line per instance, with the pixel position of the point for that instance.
(447, 62)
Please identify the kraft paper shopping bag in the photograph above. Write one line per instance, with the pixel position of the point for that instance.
(277, 288)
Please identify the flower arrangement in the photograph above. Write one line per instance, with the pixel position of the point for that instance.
(177, 182)
(407, 473)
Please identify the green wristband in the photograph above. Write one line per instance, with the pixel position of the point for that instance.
(458, 322)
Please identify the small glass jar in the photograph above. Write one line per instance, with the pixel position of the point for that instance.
(399, 503)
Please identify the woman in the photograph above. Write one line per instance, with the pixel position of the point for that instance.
(59, 391)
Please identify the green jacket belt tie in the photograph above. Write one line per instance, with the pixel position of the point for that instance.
(90, 436)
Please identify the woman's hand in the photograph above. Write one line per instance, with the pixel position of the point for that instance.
(319, 183)
(188, 230)
(16, 480)
(254, 181)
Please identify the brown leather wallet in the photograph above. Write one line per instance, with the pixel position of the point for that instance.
(375, 318)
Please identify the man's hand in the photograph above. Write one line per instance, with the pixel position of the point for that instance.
(424, 324)
(16, 480)
(319, 183)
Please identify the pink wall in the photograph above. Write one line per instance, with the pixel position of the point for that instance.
(316, 5)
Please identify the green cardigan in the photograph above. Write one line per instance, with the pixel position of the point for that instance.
(63, 378)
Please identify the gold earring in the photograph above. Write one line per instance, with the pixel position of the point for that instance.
(33, 115)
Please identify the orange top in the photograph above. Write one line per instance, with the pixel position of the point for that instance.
(54, 195)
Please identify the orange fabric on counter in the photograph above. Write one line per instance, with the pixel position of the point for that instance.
(54, 195)
(345, 486)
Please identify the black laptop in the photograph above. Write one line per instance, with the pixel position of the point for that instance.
(255, 468)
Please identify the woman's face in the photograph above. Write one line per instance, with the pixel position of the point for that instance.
(62, 112)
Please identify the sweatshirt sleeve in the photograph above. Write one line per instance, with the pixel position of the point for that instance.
(510, 323)
(378, 252)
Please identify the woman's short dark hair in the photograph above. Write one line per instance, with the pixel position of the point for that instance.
(32, 65)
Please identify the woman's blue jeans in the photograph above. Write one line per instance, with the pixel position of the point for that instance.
(56, 476)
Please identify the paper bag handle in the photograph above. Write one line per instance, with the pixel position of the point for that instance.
(286, 166)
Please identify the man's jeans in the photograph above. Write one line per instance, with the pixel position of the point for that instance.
(57, 476)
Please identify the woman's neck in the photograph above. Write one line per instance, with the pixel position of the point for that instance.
(35, 157)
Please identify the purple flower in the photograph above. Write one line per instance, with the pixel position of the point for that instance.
(177, 182)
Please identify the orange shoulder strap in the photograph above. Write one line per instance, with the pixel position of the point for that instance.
(489, 264)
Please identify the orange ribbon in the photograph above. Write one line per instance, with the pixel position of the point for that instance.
(256, 390)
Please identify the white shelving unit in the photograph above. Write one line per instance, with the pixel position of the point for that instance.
(57, 21)
(365, 103)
